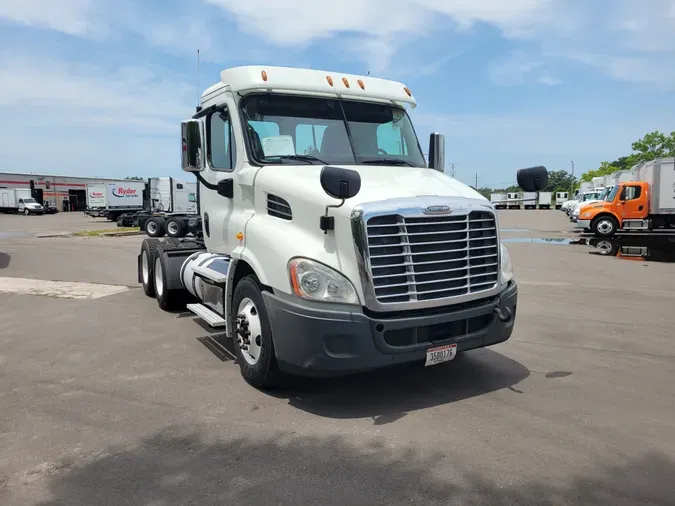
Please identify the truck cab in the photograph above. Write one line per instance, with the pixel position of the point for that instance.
(28, 205)
(329, 245)
(625, 202)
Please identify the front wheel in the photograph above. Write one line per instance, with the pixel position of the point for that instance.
(26, 212)
(253, 344)
(605, 226)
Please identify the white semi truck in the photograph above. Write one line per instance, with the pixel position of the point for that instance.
(329, 246)
(14, 200)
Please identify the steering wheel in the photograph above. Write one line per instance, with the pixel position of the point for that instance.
(381, 151)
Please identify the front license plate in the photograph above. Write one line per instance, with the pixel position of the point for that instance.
(441, 354)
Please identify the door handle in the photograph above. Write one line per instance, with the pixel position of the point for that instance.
(640, 208)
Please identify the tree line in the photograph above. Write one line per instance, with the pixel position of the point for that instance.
(652, 146)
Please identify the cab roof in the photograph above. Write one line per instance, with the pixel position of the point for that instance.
(252, 78)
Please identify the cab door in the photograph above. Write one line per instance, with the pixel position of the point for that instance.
(633, 202)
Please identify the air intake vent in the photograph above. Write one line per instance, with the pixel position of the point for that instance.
(278, 207)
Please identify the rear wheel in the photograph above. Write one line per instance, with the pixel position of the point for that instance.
(605, 226)
(155, 226)
(167, 299)
(175, 227)
(148, 249)
(253, 344)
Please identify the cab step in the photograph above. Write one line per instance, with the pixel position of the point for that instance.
(211, 317)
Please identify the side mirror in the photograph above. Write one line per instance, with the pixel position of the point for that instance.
(533, 179)
(340, 183)
(437, 152)
(192, 159)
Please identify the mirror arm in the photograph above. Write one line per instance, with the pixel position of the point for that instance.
(203, 181)
(326, 222)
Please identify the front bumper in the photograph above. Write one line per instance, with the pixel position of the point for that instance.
(311, 341)
(584, 223)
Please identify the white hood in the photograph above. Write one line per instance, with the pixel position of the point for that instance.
(377, 183)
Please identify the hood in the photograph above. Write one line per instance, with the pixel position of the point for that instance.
(34, 206)
(377, 183)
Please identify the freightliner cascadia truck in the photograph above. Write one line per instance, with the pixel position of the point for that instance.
(325, 243)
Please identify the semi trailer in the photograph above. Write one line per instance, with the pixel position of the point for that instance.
(642, 205)
(328, 244)
(544, 200)
(513, 200)
(498, 200)
(111, 200)
(529, 200)
(560, 198)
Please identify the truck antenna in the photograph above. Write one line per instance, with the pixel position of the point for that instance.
(198, 94)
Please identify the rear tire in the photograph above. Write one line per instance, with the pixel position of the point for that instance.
(605, 226)
(176, 227)
(146, 266)
(260, 370)
(167, 300)
(155, 226)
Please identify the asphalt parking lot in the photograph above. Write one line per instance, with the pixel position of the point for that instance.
(111, 401)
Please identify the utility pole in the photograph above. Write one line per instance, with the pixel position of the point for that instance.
(476, 187)
(452, 169)
(572, 189)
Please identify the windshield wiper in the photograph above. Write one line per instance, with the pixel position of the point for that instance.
(303, 158)
(385, 161)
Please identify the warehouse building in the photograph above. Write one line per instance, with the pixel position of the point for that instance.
(67, 193)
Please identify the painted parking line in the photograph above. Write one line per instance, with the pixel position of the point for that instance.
(58, 289)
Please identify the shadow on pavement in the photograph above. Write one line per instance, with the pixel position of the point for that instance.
(387, 395)
(173, 467)
(4, 260)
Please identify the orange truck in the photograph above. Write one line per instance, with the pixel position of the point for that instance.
(642, 205)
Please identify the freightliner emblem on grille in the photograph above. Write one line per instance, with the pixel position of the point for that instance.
(437, 210)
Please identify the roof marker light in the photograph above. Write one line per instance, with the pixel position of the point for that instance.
(345, 82)
(361, 85)
(330, 80)
(264, 75)
(407, 91)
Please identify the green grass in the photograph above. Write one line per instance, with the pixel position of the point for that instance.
(97, 233)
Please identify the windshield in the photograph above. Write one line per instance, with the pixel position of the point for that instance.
(292, 129)
(29, 201)
(612, 194)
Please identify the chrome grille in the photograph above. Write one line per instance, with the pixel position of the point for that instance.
(429, 258)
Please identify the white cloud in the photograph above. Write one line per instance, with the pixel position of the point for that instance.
(73, 17)
(517, 69)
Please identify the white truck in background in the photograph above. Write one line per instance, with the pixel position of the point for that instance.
(529, 200)
(560, 198)
(111, 200)
(171, 195)
(498, 200)
(14, 200)
(513, 200)
(313, 214)
(544, 201)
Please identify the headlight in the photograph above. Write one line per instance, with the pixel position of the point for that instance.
(587, 214)
(314, 281)
(507, 265)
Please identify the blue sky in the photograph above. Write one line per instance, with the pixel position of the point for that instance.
(92, 87)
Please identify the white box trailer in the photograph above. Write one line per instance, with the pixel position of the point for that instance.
(513, 200)
(544, 201)
(498, 200)
(560, 199)
(114, 199)
(530, 200)
(171, 195)
(660, 175)
(598, 182)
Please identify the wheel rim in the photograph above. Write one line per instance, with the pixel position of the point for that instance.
(249, 331)
(151, 227)
(172, 228)
(604, 246)
(145, 267)
(26, 212)
(159, 282)
(605, 227)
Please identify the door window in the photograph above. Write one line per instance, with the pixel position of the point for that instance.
(221, 147)
(632, 192)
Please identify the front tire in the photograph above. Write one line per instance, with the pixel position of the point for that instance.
(253, 343)
(605, 226)
(26, 212)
